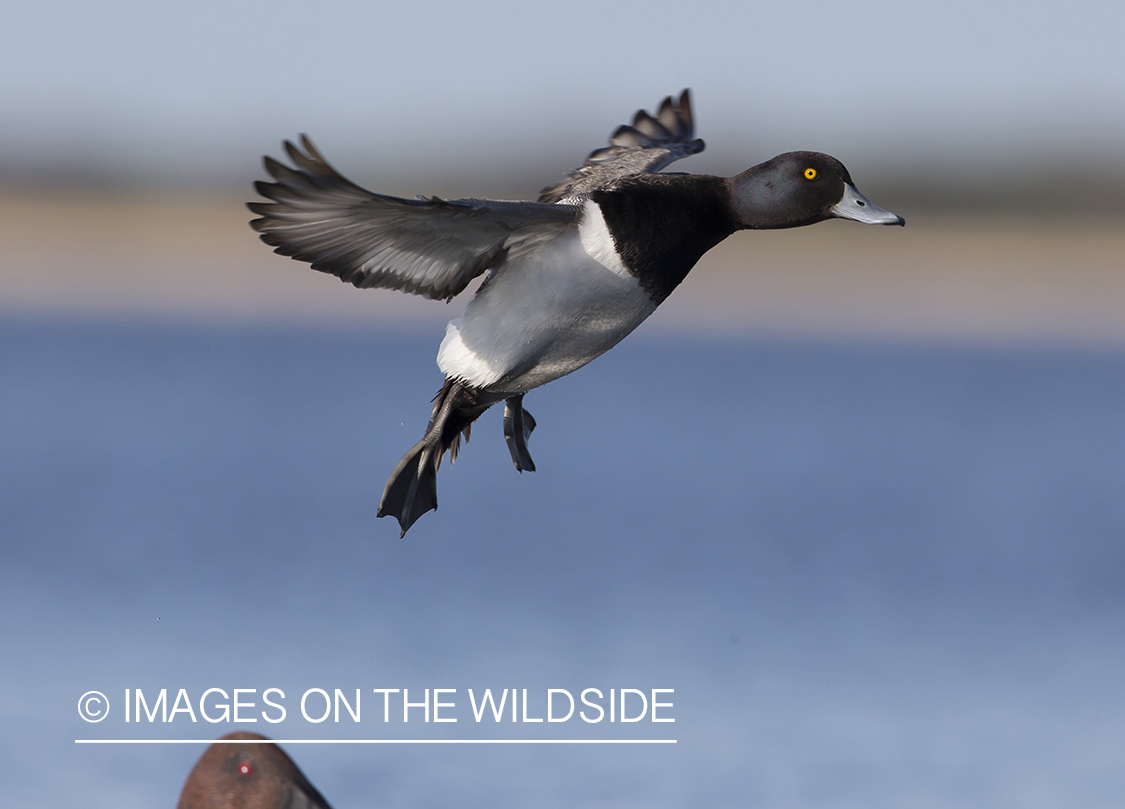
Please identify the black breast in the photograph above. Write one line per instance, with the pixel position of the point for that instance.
(663, 223)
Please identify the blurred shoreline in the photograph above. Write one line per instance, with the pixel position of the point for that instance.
(981, 275)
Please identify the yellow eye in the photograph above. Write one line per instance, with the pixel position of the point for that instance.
(810, 174)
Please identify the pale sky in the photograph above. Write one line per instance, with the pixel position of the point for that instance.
(142, 90)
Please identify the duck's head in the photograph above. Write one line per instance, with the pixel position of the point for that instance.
(800, 188)
(246, 770)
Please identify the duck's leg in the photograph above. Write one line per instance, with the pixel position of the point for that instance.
(411, 490)
(518, 424)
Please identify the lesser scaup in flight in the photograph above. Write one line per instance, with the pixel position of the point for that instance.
(567, 277)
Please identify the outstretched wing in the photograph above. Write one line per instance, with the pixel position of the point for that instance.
(648, 145)
(429, 247)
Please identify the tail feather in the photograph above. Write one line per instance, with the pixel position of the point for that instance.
(411, 490)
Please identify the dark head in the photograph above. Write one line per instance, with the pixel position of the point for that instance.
(801, 188)
(244, 771)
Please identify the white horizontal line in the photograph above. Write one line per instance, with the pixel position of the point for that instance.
(375, 741)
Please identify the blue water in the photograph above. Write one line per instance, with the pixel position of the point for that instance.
(875, 576)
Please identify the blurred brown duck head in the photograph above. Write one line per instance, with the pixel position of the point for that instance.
(245, 771)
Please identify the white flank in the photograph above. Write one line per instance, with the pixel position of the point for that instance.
(597, 241)
(457, 360)
(546, 313)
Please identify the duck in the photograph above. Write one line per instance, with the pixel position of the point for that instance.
(565, 277)
(244, 770)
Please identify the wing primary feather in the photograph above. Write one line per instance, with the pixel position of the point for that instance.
(428, 246)
(647, 145)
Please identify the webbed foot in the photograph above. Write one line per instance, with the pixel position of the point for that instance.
(518, 424)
